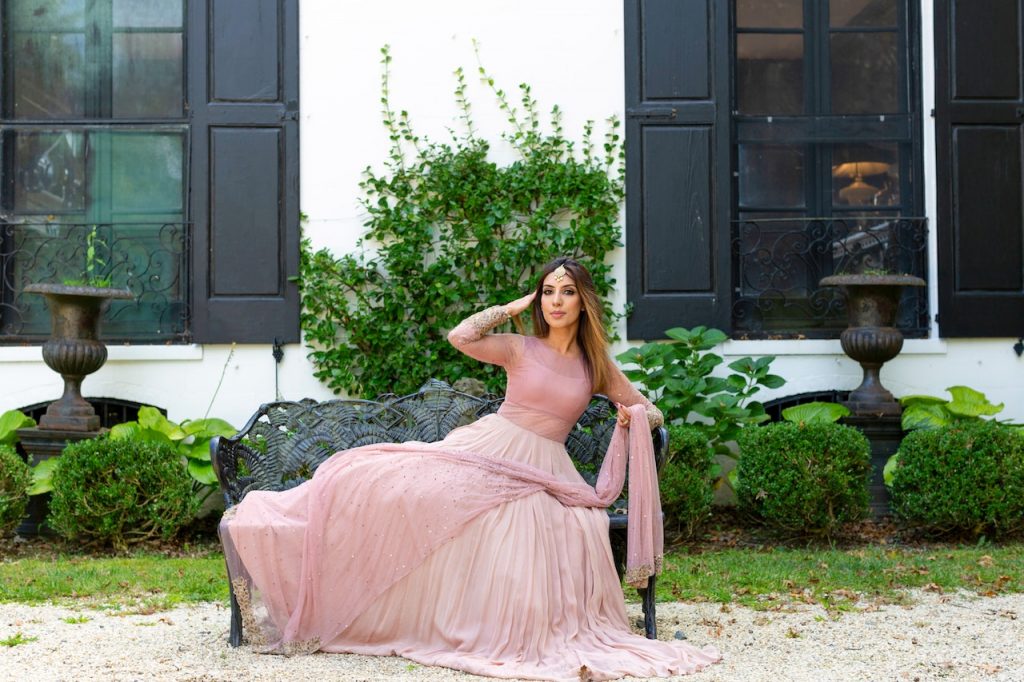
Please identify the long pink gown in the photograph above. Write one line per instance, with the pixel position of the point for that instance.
(482, 552)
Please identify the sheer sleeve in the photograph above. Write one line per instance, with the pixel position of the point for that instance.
(622, 391)
(470, 336)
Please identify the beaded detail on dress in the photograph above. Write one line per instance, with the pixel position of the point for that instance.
(639, 574)
(250, 624)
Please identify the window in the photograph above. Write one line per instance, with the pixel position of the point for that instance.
(161, 137)
(93, 179)
(769, 143)
(825, 146)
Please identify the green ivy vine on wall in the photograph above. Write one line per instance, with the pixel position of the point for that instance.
(451, 232)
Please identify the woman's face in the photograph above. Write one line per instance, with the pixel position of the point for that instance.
(560, 301)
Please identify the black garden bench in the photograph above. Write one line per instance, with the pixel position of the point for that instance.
(284, 442)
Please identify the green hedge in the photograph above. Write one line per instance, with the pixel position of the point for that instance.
(804, 479)
(685, 479)
(120, 492)
(966, 479)
(15, 479)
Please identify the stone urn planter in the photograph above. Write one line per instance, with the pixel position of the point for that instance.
(872, 338)
(74, 349)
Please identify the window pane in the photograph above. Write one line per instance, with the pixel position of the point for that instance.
(864, 69)
(770, 13)
(49, 172)
(769, 74)
(771, 176)
(147, 75)
(49, 75)
(147, 14)
(36, 15)
(98, 174)
(874, 13)
(865, 175)
(146, 172)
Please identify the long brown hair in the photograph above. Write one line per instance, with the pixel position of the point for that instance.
(590, 335)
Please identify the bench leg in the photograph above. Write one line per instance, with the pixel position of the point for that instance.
(647, 604)
(235, 638)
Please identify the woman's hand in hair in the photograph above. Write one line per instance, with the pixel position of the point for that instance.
(517, 306)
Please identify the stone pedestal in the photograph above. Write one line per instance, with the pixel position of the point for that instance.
(885, 434)
(42, 444)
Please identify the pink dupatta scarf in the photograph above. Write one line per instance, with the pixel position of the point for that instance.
(645, 537)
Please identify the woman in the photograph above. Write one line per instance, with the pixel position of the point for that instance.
(485, 552)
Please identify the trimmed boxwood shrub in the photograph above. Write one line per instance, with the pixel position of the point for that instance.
(966, 478)
(15, 479)
(685, 479)
(120, 492)
(804, 479)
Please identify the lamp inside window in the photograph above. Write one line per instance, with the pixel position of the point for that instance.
(870, 183)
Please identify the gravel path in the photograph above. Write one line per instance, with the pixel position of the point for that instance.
(940, 637)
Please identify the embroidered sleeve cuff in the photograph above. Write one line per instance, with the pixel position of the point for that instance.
(654, 417)
(475, 326)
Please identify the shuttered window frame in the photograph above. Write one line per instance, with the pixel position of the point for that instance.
(243, 94)
(979, 109)
(678, 254)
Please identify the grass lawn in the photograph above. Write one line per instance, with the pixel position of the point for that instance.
(838, 578)
(742, 569)
(144, 581)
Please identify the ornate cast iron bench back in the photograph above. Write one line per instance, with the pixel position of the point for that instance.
(284, 442)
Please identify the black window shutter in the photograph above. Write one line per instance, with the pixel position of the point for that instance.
(677, 165)
(979, 110)
(243, 88)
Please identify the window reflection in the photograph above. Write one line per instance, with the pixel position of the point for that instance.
(97, 173)
(771, 176)
(147, 13)
(769, 74)
(864, 68)
(769, 13)
(49, 174)
(72, 59)
(34, 15)
(147, 75)
(146, 172)
(49, 75)
(866, 13)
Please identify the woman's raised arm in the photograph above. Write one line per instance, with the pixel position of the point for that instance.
(470, 336)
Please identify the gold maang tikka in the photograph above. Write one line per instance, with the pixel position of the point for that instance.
(559, 273)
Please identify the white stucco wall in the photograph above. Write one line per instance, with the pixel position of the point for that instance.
(571, 53)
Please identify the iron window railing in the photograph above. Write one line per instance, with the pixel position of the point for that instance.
(778, 263)
(149, 259)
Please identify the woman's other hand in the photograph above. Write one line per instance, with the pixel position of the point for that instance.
(623, 417)
(520, 304)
